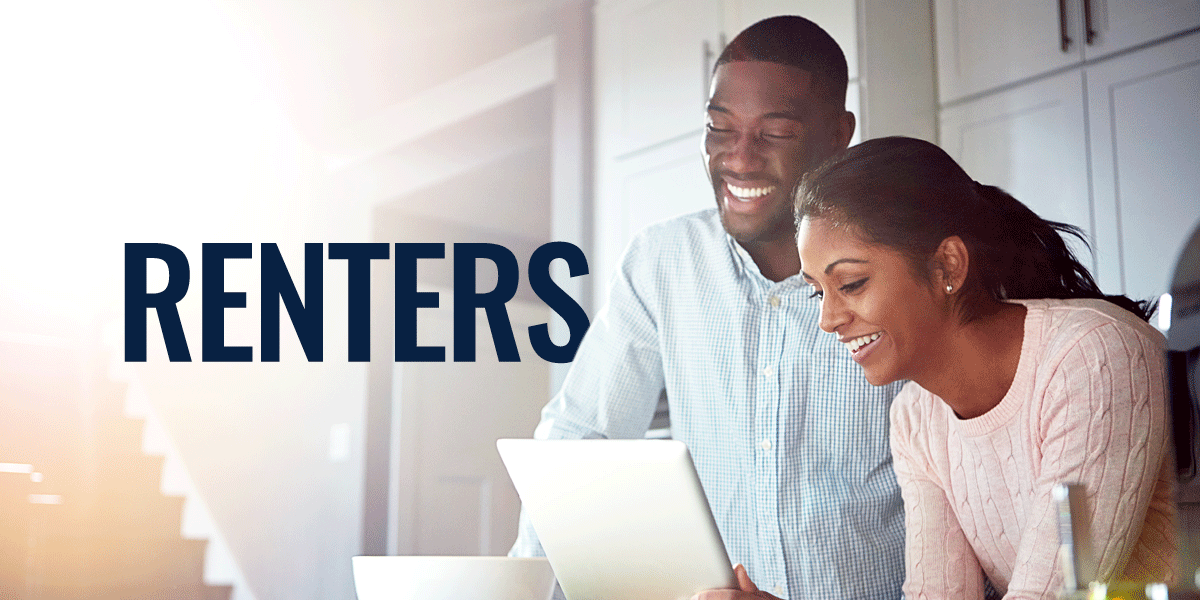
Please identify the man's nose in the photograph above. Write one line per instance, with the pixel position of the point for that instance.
(743, 155)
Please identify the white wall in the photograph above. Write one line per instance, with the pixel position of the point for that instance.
(132, 121)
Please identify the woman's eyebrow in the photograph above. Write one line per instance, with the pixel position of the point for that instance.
(843, 260)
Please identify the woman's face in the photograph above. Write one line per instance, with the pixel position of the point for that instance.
(891, 321)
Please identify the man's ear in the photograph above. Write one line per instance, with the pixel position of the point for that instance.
(952, 260)
(844, 124)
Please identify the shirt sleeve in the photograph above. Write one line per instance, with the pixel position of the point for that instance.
(939, 562)
(616, 379)
(1103, 424)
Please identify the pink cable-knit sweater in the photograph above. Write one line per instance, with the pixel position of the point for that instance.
(1087, 405)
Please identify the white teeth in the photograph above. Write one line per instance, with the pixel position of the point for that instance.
(859, 342)
(749, 193)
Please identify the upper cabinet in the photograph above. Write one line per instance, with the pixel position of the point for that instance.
(1032, 143)
(1107, 143)
(983, 45)
(653, 64)
(1113, 25)
(1144, 139)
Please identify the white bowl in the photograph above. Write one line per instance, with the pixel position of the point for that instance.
(452, 578)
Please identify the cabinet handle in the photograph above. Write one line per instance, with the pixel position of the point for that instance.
(1062, 26)
(1087, 21)
(710, 61)
(707, 67)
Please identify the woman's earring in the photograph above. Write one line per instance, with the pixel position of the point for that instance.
(949, 288)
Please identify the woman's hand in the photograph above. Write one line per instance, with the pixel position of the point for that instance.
(747, 591)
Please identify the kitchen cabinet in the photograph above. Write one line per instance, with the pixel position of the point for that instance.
(1144, 127)
(1118, 25)
(1110, 147)
(984, 45)
(1031, 142)
(652, 69)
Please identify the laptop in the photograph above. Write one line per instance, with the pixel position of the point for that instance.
(619, 519)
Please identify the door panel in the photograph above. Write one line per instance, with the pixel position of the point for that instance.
(1145, 137)
(1030, 142)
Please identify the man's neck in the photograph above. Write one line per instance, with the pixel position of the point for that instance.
(776, 260)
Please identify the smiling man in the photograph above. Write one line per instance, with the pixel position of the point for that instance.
(789, 439)
(769, 123)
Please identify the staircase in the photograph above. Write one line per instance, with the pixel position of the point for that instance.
(81, 511)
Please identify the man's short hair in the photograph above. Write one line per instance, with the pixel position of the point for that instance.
(797, 42)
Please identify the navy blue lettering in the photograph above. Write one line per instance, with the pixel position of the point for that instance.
(408, 300)
(138, 301)
(558, 300)
(214, 301)
(466, 300)
(307, 317)
(358, 259)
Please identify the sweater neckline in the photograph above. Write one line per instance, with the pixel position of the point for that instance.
(1018, 393)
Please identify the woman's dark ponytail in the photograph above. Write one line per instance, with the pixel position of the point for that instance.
(1031, 259)
(910, 195)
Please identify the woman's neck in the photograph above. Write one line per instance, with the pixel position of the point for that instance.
(978, 362)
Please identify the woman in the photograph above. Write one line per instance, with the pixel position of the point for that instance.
(1023, 374)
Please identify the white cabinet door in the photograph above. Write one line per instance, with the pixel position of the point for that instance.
(643, 189)
(1144, 122)
(1029, 141)
(653, 65)
(983, 44)
(1122, 24)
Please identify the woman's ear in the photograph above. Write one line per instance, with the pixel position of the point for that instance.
(952, 259)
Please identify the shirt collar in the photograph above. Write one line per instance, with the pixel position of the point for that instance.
(746, 267)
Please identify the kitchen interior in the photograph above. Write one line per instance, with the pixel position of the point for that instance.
(513, 122)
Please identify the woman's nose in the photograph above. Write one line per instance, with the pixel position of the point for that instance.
(833, 314)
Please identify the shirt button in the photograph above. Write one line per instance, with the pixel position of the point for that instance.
(774, 300)
(765, 444)
(778, 591)
(768, 371)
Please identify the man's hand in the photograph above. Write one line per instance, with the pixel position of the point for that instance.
(747, 591)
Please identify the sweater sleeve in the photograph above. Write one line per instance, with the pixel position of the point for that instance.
(938, 560)
(1102, 419)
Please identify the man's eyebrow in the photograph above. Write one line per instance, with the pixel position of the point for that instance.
(790, 115)
(843, 260)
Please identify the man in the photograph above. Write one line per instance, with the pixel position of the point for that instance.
(789, 439)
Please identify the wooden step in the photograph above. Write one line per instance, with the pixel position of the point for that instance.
(53, 591)
(102, 562)
(114, 536)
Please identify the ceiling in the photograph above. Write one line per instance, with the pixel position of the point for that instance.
(335, 62)
(338, 65)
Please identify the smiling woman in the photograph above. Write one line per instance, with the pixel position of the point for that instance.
(1023, 373)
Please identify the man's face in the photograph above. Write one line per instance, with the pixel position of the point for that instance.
(766, 128)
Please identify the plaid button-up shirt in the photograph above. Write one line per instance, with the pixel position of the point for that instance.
(789, 439)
